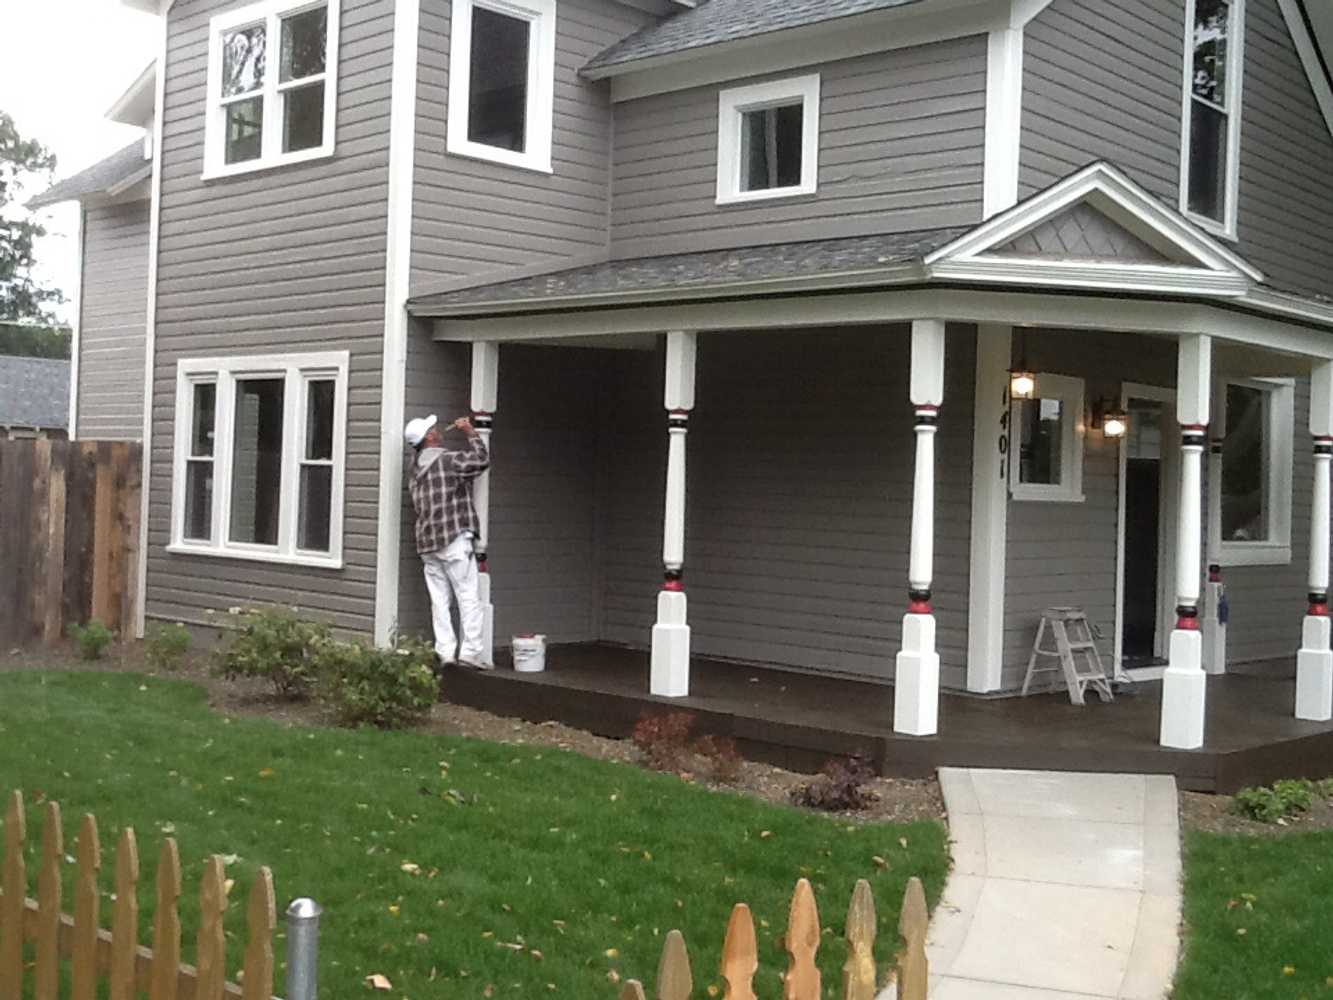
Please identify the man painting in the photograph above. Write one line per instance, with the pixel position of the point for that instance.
(441, 487)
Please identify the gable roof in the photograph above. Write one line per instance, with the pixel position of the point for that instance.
(717, 21)
(34, 392)
(115, 174)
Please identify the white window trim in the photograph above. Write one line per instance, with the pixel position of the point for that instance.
(733, 103)
(297, 370)
(1227, 228)
(1069, 391)
(541, 83)
(271, 155)
(1276, 549)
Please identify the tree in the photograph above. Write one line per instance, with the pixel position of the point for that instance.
(22, 299)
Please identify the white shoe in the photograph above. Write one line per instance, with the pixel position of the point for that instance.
(475, 663)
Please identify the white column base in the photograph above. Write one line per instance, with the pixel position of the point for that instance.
(670, 673)
(487, 618)
(1214, 633)
(1314, 671)
(1184, 692)
(916, 685)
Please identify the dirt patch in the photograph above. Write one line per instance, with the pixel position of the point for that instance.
(1216, 814)
(899, 800)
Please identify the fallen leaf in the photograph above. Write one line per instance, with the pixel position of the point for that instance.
(765, 834)
(410, 868)
(612, 952)
(394, 909)
(378, 982)
(1289, 970)
(267, 772)
(613, 976)
(903, 842)
(879, 862)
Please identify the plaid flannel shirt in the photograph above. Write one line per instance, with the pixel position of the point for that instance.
(442, 495)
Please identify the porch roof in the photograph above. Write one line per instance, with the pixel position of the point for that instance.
(118, 172)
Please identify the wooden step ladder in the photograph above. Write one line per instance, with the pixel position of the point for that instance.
(1075, 653)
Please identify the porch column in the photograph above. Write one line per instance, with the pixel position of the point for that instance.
(1184, 687)
(917, 679)
(1214, 613)
(485, 381)
(670, 673)
(1314, 661)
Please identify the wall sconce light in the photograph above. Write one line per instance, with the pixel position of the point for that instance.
(1022, 382)
(1111, 418)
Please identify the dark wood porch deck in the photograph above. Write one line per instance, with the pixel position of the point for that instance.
(799, 720)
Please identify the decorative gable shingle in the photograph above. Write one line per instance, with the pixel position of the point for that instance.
(1082, 233)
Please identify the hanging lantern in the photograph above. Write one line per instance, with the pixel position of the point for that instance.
(1022, 384)
(1115, 423)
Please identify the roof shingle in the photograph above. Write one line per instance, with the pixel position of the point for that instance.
(104, 175)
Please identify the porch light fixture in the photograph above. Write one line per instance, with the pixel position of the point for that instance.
(1022, 382)
(1111, 418)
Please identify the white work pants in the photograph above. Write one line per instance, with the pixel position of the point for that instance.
(451, 574)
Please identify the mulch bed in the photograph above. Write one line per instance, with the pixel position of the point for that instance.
(1214, 814)
(898, 799)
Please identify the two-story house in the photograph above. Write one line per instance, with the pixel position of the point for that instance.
(961, 309)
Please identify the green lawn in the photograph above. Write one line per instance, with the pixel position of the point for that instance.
(1259, 918)
(586, 864)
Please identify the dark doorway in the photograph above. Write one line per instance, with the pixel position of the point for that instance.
(1143, 527)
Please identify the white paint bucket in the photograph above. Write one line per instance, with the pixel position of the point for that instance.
(529, 653)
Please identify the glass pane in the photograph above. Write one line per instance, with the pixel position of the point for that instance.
(245, 128)
(303, 126)
(498, 78)
(201, 423)
(304, 40)
(1144, 439)
(319, 420)
(1041, 436)
(1208, 155)
(771, 147)
(242, 60)
(199, 501)
(1244, 465)
(316, 503)
(1211, 20)
(256, 471)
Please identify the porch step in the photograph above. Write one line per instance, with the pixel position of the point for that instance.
(1075, 653)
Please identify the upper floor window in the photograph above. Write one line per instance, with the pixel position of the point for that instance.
(1251, 522)
(262, 114)
(768, 140)
(1210, 136)
(502, 81)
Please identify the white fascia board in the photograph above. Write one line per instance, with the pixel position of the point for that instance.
(1050, 273)
(828, 41)
(135, 106)
(1305, 47)
(1004, 116)
(1110, 191)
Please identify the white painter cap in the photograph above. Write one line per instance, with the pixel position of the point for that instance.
(415, 431)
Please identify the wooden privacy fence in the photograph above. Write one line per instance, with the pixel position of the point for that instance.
(740, 952)
(69, 536)
(113, 963)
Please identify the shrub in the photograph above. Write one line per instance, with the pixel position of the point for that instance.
(664, 740)
(387, 688)
(165, 646)
(92, 639)
(840, 787)
(722, 762)
(1268, 805)
(276, 646)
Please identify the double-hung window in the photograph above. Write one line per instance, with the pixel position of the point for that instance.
(1250, 521)
(1046, 442)
(768, 140)
(259, 457)
(502, 81)
(1210, 134)
(272, 85)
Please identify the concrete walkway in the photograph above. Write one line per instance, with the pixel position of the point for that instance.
(1064, 887)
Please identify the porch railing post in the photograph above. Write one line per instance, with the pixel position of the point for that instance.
(1185, 685)
(670, 673)
(917, 675)
(1214, 617)
(1314, 661)
(485, 385)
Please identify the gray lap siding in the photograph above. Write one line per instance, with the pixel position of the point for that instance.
(279, 261)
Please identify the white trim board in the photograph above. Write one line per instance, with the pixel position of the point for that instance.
(733, 103)
(1305, 48)
(76, 334)
(1004, 119)
(397, 280)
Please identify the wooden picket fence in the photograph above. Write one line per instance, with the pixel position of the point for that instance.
(740, 952)
(115, 958)
(69, 537)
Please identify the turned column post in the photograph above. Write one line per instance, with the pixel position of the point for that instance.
(1184, 686)
(917, 677)
(1314, 661)
(670, 673)
(485, 383)
(1214, 617)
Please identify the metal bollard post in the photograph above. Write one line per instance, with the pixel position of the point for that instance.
(303, 949)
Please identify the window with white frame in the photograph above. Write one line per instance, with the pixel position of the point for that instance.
(259, 457)
(1210, 135)
(1046, 442)
(768, 140)
(265, 114)
(502, 81)
(1250, 521)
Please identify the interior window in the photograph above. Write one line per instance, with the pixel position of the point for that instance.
(498, 80)
(256, 478)
(199, 463)
(1245, 460)
(771, 140)
(304, 46)
(243, 64)
(1040, 424)
(315, 520)
(1210, 109)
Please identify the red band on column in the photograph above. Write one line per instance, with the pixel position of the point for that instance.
(1318, 610)
(675, 586)
(919, 608)
(1188, 624)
